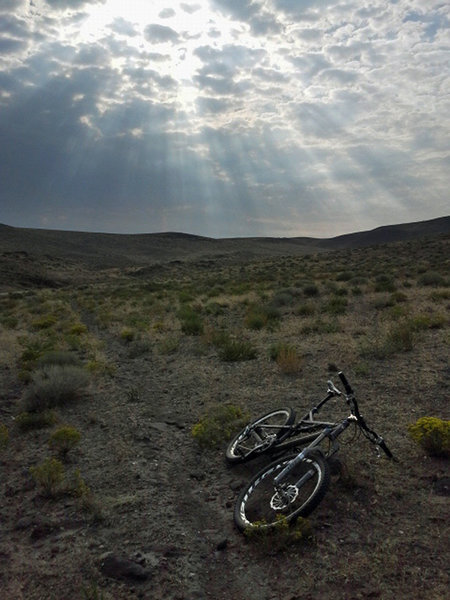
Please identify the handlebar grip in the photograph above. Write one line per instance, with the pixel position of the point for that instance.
(386, 450)
(345, 383)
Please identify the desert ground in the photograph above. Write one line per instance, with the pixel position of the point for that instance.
(126, 348)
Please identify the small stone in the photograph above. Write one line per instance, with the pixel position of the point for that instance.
(222, 544)
(119, 567)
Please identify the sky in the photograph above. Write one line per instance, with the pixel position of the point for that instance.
(224, 118)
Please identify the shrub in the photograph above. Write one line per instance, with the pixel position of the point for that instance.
(287, 358)
(49, 475)
(78, 329)
(64, 439)
(432, 434)
(53, 386)
(305, 310)
(384, 283)
(336, 306)
(311, 290)
(218, 424)
(231, 350)
(259, 316)
(399, 337)
(280, 536)
(344, 276)
(4, 437)
(191, 321)
(27, 421)
(432, 279)
(44, 322)
(58, 357)
(127, 335)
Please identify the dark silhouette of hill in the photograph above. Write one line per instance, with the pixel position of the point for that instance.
(102, 250)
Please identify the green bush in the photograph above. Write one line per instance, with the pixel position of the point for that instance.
(63, 440)
(219, 424)
(432, 434)
(49, 475)
(53, 386)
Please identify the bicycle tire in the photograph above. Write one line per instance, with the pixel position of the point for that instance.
(260, 506)
(244, 446)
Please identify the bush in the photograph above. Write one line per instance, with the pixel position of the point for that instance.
(311, 290)
(63, 440)
(58, 357)
(399, 337)
(231, 350)
(336, 306)
(191, 321)
(44, 322)
(287, 358)
(53, 386)
(432, 279)
(432, 434)
(49, 475)
(27, 421)
(280, 536)
(384, 283)
(127, 335)
(220, 423)
(259, 316)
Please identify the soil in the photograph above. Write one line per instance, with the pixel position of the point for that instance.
(160, 519)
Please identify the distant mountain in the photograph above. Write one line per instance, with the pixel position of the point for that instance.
(103, 250)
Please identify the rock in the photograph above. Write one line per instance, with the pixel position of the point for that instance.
(222, 544)
(120, 567)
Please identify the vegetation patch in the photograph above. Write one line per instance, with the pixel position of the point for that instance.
(63, 440)
(219, 424)
(432, 434)
(54, 386)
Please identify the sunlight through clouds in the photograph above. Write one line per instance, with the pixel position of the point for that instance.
(223, 117)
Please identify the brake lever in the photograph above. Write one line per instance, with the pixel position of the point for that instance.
(332, 389)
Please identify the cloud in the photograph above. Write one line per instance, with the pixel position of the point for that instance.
(166, 13)
(282, 117)
(123, 27)
(160, 33)
(75, 4)
(190, 8)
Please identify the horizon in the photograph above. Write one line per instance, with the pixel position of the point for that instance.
(188, 234)
(223, 118)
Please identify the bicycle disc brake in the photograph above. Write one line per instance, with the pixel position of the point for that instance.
(284, 497)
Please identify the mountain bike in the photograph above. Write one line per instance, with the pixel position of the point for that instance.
(294, 485)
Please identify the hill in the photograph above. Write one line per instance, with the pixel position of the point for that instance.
(100, 250)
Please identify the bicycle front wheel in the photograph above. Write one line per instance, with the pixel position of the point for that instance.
(302, 489)
(260, 435)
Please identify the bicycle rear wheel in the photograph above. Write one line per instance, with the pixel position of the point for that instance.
(259, 435)
(261, 505)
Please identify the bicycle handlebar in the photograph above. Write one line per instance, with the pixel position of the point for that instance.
(369, 433)
(345, 383)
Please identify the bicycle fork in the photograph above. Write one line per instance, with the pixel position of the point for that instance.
(329, 432)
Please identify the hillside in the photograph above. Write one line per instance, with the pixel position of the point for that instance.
(99, 250)
(129, 504)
